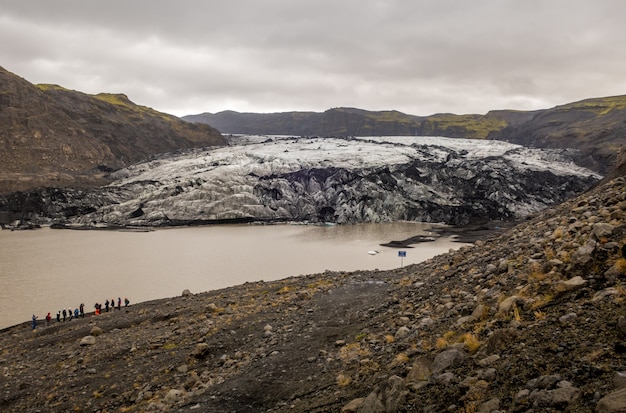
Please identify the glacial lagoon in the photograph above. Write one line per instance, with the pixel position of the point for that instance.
(46, 270)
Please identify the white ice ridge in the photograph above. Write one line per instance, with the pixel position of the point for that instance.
(266, 156)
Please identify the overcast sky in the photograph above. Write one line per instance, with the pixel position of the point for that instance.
(416, 56)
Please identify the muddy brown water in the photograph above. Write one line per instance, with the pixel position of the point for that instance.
(47, 270)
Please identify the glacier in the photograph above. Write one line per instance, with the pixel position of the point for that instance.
(331, 179)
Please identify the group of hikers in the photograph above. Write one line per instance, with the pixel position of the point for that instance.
(67, 314)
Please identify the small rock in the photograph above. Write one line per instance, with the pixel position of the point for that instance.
(567, 318)
(174, 396)
(583, 254)
(402, 332)
(506, 305)
(572, 284)
(419, 374)
(619, 379)
(488, 374)
(353, 406)
(446, 378)
(88, 341)
(488, 360)
(489, 406)
(372, 403)
(602, 230)
(522, 396)
(621, 325)
(564, 395)
(607, 292)
(446, 359)
(200, 351)
(613, 273)
(402, 321)
(187, 293)
(612, 403)
(96, 331)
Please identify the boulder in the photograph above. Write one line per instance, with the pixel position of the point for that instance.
(506, 305)
(447, 359)
(200, 351)
(572, 284)
(419, 374)
(602, 230)
(613, 402)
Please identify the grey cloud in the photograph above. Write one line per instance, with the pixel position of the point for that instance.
(419, 57)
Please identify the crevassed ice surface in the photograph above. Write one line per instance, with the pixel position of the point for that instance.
(364, 179)
(287, 154)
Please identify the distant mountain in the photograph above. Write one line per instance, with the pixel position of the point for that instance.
(595, 126)
(51, 136)
(358, 122)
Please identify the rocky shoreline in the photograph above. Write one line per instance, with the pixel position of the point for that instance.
(532, 319)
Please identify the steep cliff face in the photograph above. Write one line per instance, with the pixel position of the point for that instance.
(55, 137)
(326, 180)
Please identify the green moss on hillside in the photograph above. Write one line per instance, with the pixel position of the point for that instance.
(474, 126)
(44, 87)
(599, 106)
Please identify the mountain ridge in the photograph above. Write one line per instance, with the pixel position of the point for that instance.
(349, 121)
(593, 126)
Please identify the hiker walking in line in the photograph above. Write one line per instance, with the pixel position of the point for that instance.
(34, 321)
(76, 313)
(58, 316)
(82, 310)
(106, 305)
(64, 314)
(48, 318)
(119, 303)
(69, 314)
(126, 302)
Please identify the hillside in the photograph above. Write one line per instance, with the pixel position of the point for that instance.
(531, 320)
(595, 126)
(358, 122)
(51, 136)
